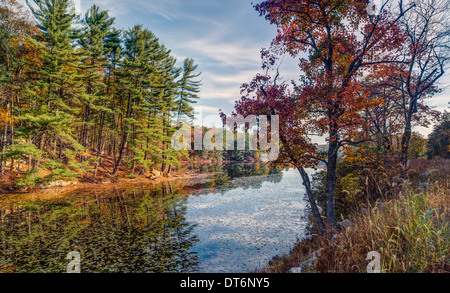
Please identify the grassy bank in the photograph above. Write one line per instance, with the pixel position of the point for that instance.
(410, 231)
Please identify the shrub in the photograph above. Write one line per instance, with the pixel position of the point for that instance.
(411, 234)
(30, 179)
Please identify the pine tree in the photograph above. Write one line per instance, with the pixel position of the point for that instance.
(188, 88)
(60, 87)
(112, 45)
(90, 89)
(168, 106)
(137, 76)
(97, 27)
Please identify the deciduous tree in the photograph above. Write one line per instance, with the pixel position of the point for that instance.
(337, 43)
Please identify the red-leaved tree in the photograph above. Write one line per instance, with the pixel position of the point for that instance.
(337, 44)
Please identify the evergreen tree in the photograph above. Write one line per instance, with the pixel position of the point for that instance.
(169, 91)
(140, 76)
(70, 93)
(188, 88)
(112, 45)
(97, 27)
(59, 88)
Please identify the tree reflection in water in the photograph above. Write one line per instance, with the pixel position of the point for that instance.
(242, 175)
(137, 229)
(132, 230)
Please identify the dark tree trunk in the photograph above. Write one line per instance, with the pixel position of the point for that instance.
(100, 143)
(164, 165)
(145, 159)
(85, 136)
(133, 167)
(124, 137)
(123, 146)
(332, 177)
(406, 138)
(3, 142)
(312, 202)
(307, 183)
(404, 149)
(114, 149)
(41, 147)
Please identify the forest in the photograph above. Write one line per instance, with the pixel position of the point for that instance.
(76, 90)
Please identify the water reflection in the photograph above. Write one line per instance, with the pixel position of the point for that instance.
(153, 228)
(242, 175)
(131, 230)
(241, 228)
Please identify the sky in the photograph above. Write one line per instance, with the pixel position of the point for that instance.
(223, 37)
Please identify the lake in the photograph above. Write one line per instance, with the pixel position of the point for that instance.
(233, 222)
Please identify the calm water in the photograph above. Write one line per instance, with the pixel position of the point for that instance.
(234, 222)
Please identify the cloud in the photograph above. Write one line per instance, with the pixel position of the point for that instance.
(218, 49)
(114, 7)
(167, 9)
(230, 78)
(224, 38)
(207, 116)
(441, 101)
(224, 89)
(206, 109)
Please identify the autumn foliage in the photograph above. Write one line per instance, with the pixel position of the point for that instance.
(352, 66)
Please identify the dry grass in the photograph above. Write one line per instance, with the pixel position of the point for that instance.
(410, 232)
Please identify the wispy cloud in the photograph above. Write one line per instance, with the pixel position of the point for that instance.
(216, 53)
(177, 9)
(169, 9)
(115, 8)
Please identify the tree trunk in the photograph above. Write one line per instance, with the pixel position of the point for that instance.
(180, 108)
(123, 146)
(100, 143)
(85, 136)
(124, 137)
(133, 167)
(41, 147)
(309, 193)
(404, 146)
(312, 202)
(164, 165)
(332, 177)
(114, 151)
(145, 159)
(3, 142)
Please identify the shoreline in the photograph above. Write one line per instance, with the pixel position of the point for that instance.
(7, 186)
(119, 182)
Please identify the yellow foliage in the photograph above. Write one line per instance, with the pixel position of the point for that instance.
(5, 117)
